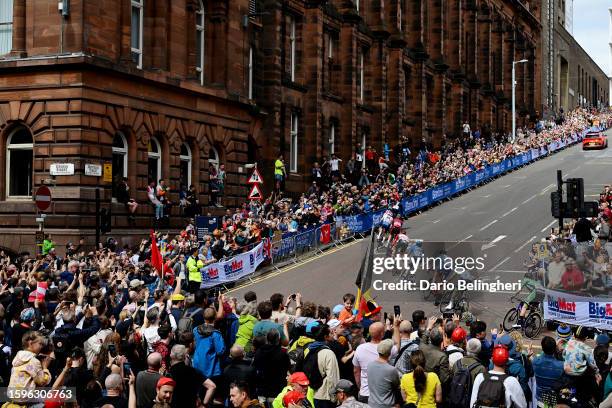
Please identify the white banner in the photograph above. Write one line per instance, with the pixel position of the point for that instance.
(232, 269)
(578, 310)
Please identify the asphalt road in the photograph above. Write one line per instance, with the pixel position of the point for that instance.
(506, 215)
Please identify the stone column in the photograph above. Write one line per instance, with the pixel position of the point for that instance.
(315, 128)
(19, 29)
(216, 36)
(454, 41)
(125, 48)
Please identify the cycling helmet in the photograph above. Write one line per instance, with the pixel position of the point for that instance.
(500, 356)
(459, 335)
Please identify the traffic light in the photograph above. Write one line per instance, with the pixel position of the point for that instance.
(555, 204)
(575, 197)
(105, 220)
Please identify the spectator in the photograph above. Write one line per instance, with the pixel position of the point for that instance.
(147, 381)
(420, 387)
(455, 350)
(364, 355)
(279, 173)
(265, 324)
(114, 393)
(345, 395)
(238, 370)
(383, 379)
(271, 364)
(509, 392)
(209, 347)
(154, 200)
(297, 382)
(188, 380)
(123, 197)
(405, 346)
(470, 360)
(239, 397)
(28, 371)
(246, 323)
(436, 360)
(326, 366)
(548, 370)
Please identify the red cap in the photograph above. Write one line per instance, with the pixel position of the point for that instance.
(165, 381)
(458, 335)
(293, 397)
(299, 378)
(500, 355)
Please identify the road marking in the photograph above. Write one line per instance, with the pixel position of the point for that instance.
(488, 225)
(486, 196)
(492, 243)
(546, 189)
(436, 221)
(500, 264)
(466, 238)
(548, 226)
(510, 212)
(267, 276)
(506, 186)
(528, 200)
(525, 244)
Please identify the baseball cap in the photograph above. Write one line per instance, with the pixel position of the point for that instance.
(459, 335)
(312, 326)
(298, 378)
(27, 314)
(473, 346)
(344, 386)
(333, 323)
(602, 339)
(500, 355)
(177, 297)
(293, 397)
(384, 347)
(134, 283)
(165, 381)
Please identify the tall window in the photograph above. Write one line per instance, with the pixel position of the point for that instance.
(332, 138)
(250, 73)
(294, 143)
(292, 40)
(136, 35)
(363, 147)
(19, 159)
(185, 170)
(361, 75)
(6, 26)
(154, 160)
(120, 160)
(200, 16)
(213, 157)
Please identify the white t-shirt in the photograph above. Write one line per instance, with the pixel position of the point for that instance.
(334, 163)
(514, 393)
(364, 355)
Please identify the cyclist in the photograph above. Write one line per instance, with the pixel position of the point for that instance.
(396, 228)
(385, 224)
(400, 243)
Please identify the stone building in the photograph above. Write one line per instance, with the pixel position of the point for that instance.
(167, 88)
(571, 78)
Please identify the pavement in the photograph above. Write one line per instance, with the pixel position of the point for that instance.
(499, 220)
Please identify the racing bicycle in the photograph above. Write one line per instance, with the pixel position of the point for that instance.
(534, 321)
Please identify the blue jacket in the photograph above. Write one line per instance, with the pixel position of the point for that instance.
(548, 373)
(209, 349)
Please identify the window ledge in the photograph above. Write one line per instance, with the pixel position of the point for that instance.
(19, 198)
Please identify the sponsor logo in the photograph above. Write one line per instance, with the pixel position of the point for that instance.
(234, 267)
(600, 310)
(561, 306)
(213, 273)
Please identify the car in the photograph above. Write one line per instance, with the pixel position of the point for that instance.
(594, 140)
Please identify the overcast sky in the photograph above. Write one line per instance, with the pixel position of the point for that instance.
(592, 31)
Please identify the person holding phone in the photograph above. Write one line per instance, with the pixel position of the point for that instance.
(30, 369)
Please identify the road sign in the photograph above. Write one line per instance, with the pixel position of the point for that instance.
(255, 193)
(43, 198)
(108, 173)
(255, 178)
(62, 169)
(93, 170)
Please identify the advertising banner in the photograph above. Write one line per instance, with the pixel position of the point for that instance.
(205, 225)
(232, 269)
(578, 310)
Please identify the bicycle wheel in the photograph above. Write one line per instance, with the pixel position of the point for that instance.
(533, 325)
(510, 319)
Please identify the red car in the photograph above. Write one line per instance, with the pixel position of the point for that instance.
(594, 140)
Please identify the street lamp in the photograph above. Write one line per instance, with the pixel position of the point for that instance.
(514, 96)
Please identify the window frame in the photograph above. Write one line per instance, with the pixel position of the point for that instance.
(201, 34)
(364, 136)
(157, 156)
(332, 137)
(20, 146)
(293, 143)
(189, 159)
(361, 73)
(292, 47)
(216, 161)
(250, 74)
(122, 151)
(138, 4)
(9, 27)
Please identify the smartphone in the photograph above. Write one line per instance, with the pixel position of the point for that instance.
(385, 317)
(127, 367)
(112, 350)
(292, 296)
(396, 310)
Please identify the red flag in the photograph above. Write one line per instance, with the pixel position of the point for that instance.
(267, 248)
(325, 234)
(156, 258)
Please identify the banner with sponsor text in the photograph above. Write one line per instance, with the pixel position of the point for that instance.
(578, 310)
(232, 269)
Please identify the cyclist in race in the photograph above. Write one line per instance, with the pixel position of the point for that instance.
(385, 225)
(396, 228)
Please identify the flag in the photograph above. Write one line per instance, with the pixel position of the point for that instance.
(156, 258)
(364, 278)
(325, 237)
(267, 248)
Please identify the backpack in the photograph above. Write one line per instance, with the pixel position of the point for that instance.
(185, 323)
(398, 358)
(460, 390)
(492, 392)
(296, 355)
(310, 367)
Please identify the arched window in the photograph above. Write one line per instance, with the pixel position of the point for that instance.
(200, 43)
(6, 26)
(120, 160)
(154, 162)
(213, 157)
(19, 159)
(185, 170)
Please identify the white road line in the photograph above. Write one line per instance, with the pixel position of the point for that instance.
(510, 212)
(436, 221)
(498, 239)
(506, 186)
(486, 196)
(528, 200)
(525, 244)
(546, 189)
(466, 238)
(500, 264)
(548, 226)
(488, 225)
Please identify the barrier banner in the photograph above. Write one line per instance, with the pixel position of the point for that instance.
(305, 240)
(232, 269)
(282, 248)
(578, 310)
(205, 225)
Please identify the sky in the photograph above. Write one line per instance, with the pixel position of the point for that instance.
(592, 31)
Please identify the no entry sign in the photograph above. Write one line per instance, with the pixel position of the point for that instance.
(43, 198)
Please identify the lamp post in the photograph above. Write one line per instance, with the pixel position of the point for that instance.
(514, 96)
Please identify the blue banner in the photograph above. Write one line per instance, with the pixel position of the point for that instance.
(205, 225)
